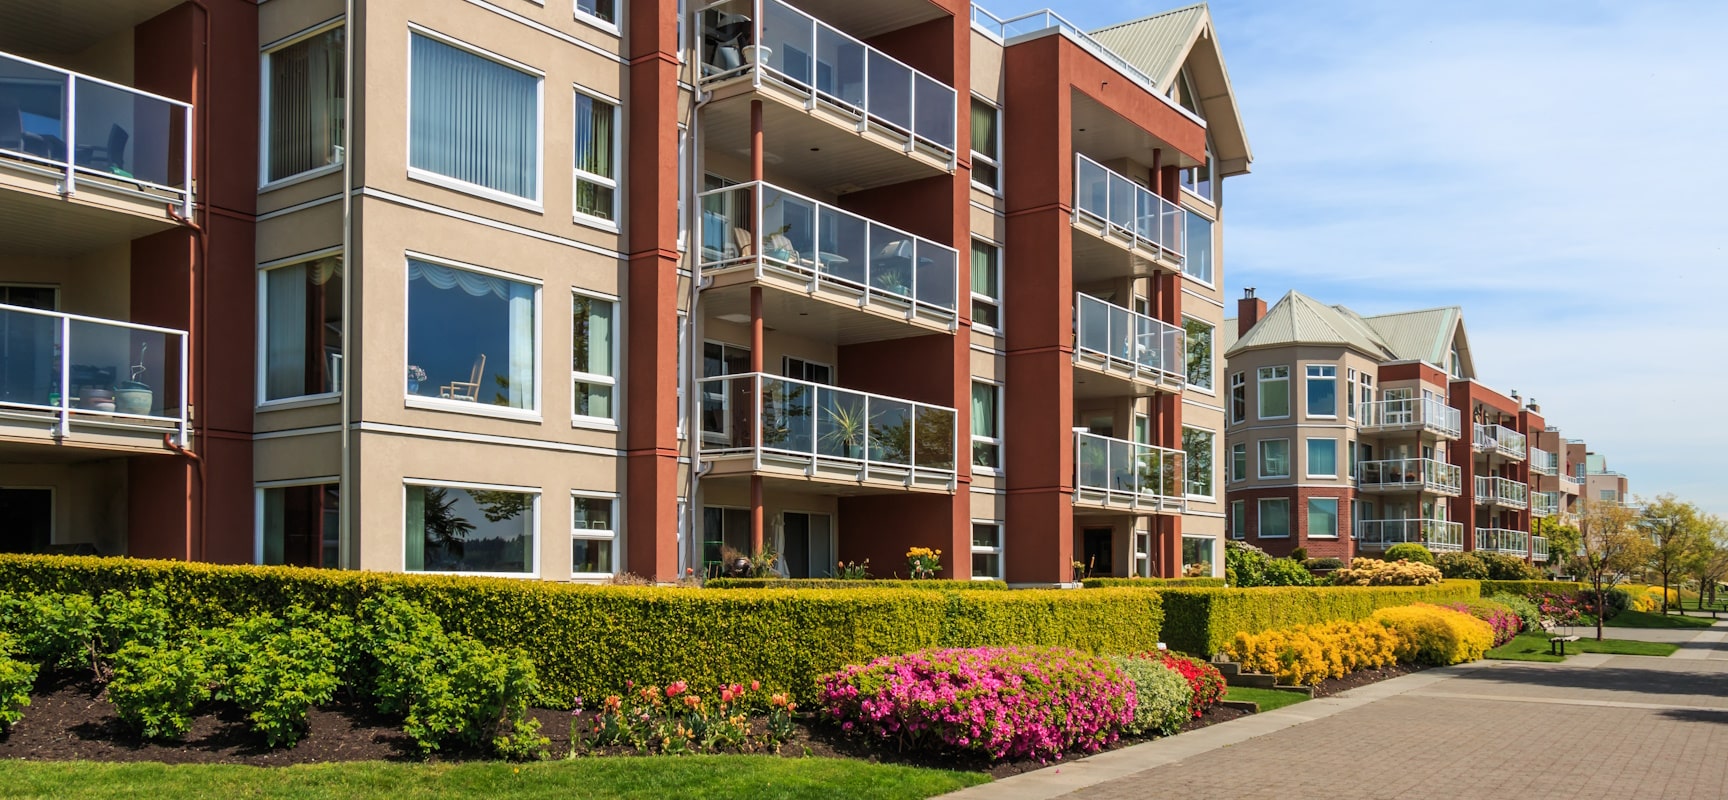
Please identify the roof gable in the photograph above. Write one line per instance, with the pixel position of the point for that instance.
(1298, 319)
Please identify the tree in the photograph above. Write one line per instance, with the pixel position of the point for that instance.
(444, 527)
(1710, 562)
(1676, 532)
(1562, 541)
(1609, 543)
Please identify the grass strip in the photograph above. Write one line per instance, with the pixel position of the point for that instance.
(1268, 699)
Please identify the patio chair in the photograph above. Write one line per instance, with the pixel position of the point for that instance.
(468, 390)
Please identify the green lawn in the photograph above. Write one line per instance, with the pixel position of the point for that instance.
(751, 777)
(1645, 619)
(1534, 647)
(1268, 699)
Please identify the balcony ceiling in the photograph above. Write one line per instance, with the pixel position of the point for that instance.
(33, 225)
(807, 153)
(867, 19)
(807, 318)
(48, 27)
(1103, 135)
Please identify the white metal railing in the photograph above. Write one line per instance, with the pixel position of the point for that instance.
(1126, 210)
(85, 370)
(774, 230)
(1543, 462)
(1410, 474)
(1426, 413)
(1502, 492)
(1104, 330)
(771, 40)
(1538, 548)
(1129, 472)
(1544, 504)
(135, 142)
(1568, 484)
(1435, 534)
(756, 413)
(1501, 540)
(1502, 440)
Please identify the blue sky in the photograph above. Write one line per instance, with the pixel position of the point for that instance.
(1555, 167)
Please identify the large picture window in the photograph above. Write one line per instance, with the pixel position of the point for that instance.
(1199, 337)
(473, 119)
(471, 336)
(597, 158)
(461, 528)
(302, 306)
(594, 344)
(593, 535)
(303, 84)
(301, 525)
(1274, 392)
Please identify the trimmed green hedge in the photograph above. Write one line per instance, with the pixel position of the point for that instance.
(1203, 621)
(1145, 583)
(1530, 588)
(586, 641)
(836, 583)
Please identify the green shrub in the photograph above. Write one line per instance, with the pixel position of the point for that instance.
(1410, 551)
(1461, 565)
(1286, 572)
(1328, 563)
(1149, 583)
(1162, 695)
(1205, 621)
(1299, 555)
(1247, 566)
(55, 630)
(16, 678)
(1529, 615)
(1503, 567)
(275, 670)
(837, 583)
(156, 689)
(1531, 589)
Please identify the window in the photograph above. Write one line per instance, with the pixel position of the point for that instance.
(593, 535)
(799, 369)
(1274, 517)
(302, 322)
(1199, 336)
(1367, 391)
(1322, 381)
(986, 144)
(1198, 180)
(594, 355)
(1350, 394)
(1197, 554)
(986, 290)
(1323, 517)
(467, 528)
(1275, 458)
(1274, 392)
(1197, 444)
(1142, 429)
(1607, 495)
(987, 551)
(1350, 447)
(1238, 462)
(301, 525)
(303, 83)
(473, 120)
(1238, 519)
(1197, 261)
(472, 336)
(597, 158)
(986, 425)
(1239, 397)
(605, 11)
(723, 529)
(1322, 458)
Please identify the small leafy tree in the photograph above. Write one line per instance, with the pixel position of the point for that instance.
(1709, 564)
(1610, 543)
(1676, 533)
(1562, 540)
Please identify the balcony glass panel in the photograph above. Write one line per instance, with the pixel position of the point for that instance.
(1429, 412)
(84, 368)
(1127, 209)
(1121, 467)
(1435, 534)
(1410, 473)
(1113, 332)
(814, 420)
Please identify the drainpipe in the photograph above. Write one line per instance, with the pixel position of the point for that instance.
(198, 315)
(692, 356)
(344, 483)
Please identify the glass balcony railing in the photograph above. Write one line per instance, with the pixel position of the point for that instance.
(1426, 413)
(771, 40)
(1410, 475)
(1502, 440)
(1538, 548)
(1123, 471)
(812, 241)
(1544, 504)
(1501, 540)
(761, 414)
(115, 137)
(1502, 492)
(83, 371)
(1120, 337)
(1543, 462)
(1435, 534)
(1125, 210)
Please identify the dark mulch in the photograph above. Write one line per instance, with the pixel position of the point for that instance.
(1363, 677)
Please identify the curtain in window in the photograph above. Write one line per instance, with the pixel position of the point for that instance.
(474, 119)
(416, 530)
(296, 299)
(984, 270)
(983, 129)
(520, 319)
(305, 105)
(984, 410)
(595, 123)
(593, 355)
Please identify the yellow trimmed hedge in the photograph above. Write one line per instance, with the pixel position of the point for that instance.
(586, 641)
(1531, 588)
(1205, 621)
(1429, 634)
(1147, 583)
(837, 583)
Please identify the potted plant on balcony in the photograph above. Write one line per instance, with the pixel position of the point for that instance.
(845, 428)
(134, 396)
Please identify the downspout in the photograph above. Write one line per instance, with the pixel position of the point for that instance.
(692, 358)
(344, 482)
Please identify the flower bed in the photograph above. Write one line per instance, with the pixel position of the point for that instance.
(1504, 620)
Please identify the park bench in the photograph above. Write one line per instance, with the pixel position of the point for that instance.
(1557, 644)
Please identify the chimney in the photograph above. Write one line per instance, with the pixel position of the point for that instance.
(1249, 310)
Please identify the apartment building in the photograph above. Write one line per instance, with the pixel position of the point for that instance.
(1596, 481)
(1350, 434)
(357, 240)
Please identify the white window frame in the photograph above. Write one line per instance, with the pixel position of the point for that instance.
(1212, 438)
(1212, 262)
(995, 302)
(537, 202)
(583, 420)
(683, 376)
(615, 27)
(1307, 518)
(997, 440)
(1242, 447)
(479, 409)
(534, 508)
(263, 322)
(999, 551)
(615, 184)
(258, 490)
(1260, 381)
(1308, 457)
(1263, 459)
(1309, 376)
(1350, 393)
(1210, 387)
(614, 535)
(1260, 518)
(265, 184)
(1239, 519)
(1238, 381)
(683, 169)
(979, 157)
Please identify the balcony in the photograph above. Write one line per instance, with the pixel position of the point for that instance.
(876, 120)
(1500, 440)
(1410, 475)
(1130, 231)
(836, 276)
(1117, 475)
(1568, 484)
(1544, 504)
(1501, 540)
(1435, 534)
(85, 162)
(792, 430)
(1538, 548)
(1135, 354)
(1543, 462)
(1428, 415)
(1503, 493)
(126, 383)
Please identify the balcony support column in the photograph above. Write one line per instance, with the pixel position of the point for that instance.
(756, 361)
